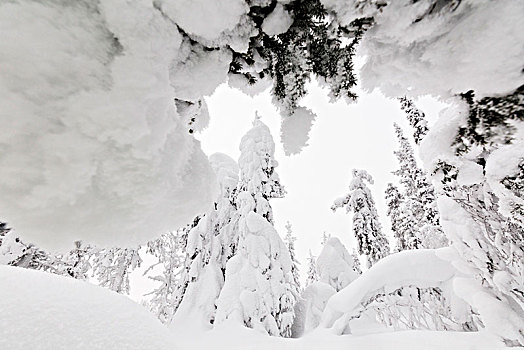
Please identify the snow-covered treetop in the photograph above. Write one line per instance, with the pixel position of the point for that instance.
(226, 170)
(258, 178)
(335, 265)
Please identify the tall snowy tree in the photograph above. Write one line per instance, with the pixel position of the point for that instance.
(290, 239)
(312, 274)
(416, 118)
(259, 289)
(403, 223)
(419, 204)
(366, 225)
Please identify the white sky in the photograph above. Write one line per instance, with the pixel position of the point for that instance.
(343, 137)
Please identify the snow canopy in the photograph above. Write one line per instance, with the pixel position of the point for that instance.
(89, 151)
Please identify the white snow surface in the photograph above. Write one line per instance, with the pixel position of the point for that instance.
(92, 147)
(45, 311)
(232, 336)
(295, 130)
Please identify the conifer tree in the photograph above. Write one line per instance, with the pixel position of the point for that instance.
(168, 250)
(312, 274)
(402, 221)
(366, 226)
(290, 243)
(259, 289)
(416, 118)
(419, 206)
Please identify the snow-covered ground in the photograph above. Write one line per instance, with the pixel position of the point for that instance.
(43, 311)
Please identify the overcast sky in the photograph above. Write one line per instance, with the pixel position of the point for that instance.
(343, 137)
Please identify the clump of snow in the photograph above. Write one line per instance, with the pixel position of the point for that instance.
(421, 48)
(277, 22)
(93, 149)
(504, 162)
(45, 311)
(294, 130)
(226, 169)
(198, 71)
(203, 18)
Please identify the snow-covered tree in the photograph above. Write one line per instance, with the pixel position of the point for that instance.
(366, 225)
(403, 223)
(419, 204)
(335, 265)
(211, 243)
(290, 239)
(312, 274)
(168, 250)
(416, 118)
(259, 289)
(112, 267)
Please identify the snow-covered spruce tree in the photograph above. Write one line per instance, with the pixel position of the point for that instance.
(403, 223)
(259, 290)
(416, 118)
(366, 225)
(290, 239)
(112, 267)
(312, 274)
(335, 265)
(419, 205)
(211, 243)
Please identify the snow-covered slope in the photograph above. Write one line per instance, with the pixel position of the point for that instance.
(44, 311)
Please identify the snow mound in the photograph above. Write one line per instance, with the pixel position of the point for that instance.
(45, 311)
(295, 130)
(93, 148)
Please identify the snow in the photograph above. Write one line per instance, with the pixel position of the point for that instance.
(278, 21)
(231, 336)
(502, 163)
(401, 269)
(226, 170)
(409, 49)
(311, 304)
(91, 152)
(295, 130)
(335, 265)
(198, 71)
(45, 311)
(204, 18)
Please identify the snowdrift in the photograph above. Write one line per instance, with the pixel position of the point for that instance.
(45, 311)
